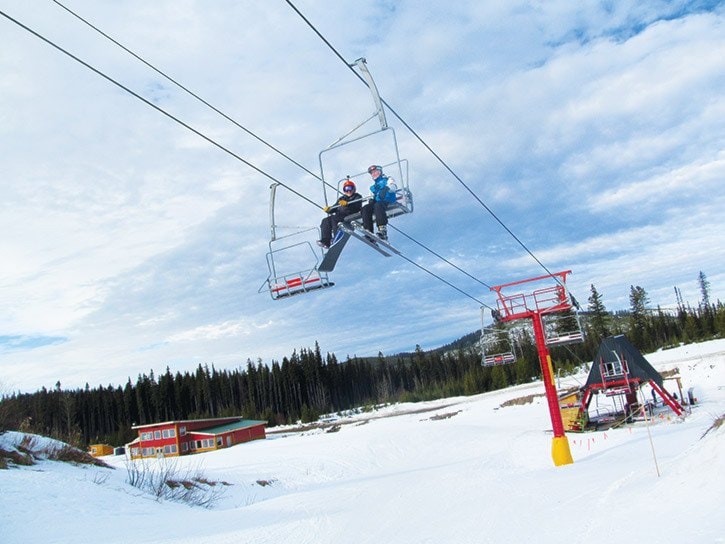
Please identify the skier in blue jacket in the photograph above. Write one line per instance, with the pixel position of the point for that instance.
(383, 195)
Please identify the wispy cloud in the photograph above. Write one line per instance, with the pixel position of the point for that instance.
(592, 130)
(25, 343)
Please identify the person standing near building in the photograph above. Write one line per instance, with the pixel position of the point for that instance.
(382, 196)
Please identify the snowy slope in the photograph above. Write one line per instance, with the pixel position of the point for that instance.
(465, 471)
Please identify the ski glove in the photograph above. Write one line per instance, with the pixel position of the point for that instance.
(326, 209)
(342, 202)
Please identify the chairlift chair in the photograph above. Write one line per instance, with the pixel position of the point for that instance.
(561, 329)
(296, 247)
(496, 346)
(282, 285)
(396, 167)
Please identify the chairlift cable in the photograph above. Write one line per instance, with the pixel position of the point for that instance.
(194, 95)
(420, 139)
(201, 134)
(439, 256)
(424, 269)
(175, 82)
(581, 361)
(239, 125)
(157, 108)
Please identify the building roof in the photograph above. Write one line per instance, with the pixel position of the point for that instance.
(212, 420)
(619, 349)
(233, 426)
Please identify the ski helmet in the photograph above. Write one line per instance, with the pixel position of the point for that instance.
(349, 184)
(374, 167)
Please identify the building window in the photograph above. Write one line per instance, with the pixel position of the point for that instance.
(147, 452)
(169, 433)
(170, 449)
(182, 430)
(147, 436)
(613, 368)
(219, 441)
(184, 446)
(157, 435)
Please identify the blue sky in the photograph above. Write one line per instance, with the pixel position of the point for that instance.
(593, 130)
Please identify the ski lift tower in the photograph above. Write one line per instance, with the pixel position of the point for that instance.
(541, 306)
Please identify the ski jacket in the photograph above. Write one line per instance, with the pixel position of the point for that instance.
(355, 198)
(381, 191)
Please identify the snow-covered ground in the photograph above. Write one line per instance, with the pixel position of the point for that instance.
(466, 471)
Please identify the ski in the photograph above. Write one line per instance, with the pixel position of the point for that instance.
(368, 238)
(333, 253)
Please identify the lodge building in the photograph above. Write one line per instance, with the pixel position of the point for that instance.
(174, 438)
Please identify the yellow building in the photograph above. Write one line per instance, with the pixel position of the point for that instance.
(97, 450)
(573, 416)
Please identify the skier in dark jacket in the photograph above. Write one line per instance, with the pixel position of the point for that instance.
(349, 203)
(383, 195)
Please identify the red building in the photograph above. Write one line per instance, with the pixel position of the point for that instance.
(173, 438)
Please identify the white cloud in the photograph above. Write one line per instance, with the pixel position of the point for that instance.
(592, 132)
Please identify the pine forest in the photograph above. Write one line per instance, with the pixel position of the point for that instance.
(307, 384)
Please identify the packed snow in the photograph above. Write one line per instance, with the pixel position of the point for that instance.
(455, 470)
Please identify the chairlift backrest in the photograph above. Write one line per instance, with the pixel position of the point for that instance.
(285, 254)
(560, 329)
(378, 145)
(496, 345)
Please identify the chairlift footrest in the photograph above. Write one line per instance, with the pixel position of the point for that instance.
(381, 246)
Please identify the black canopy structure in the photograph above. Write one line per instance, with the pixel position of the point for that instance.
(619, 368)
(617, 354)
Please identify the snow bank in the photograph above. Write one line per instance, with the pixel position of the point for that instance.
(465, 470)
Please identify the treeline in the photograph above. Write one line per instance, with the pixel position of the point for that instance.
(301, 387)
(306, 384)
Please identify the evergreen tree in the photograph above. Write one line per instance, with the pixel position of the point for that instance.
(704, 289)
(599, 319)
(720, 320)
(499, 377)
(638, 323)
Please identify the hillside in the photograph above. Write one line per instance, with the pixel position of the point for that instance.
(457, 470)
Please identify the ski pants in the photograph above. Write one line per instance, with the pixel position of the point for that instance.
(378, 209)
(329, 225)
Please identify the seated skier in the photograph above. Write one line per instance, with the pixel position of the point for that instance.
(383, 195)
(349, 203)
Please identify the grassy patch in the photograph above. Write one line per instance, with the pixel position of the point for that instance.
(69, 454)
(716, 424)
(449, 415)
(15, 458)
(31, 449)
(165, 480)
(520, 401)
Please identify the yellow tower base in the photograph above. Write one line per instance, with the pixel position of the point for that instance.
(560, 452)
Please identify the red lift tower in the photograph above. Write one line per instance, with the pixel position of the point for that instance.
(548, 308)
